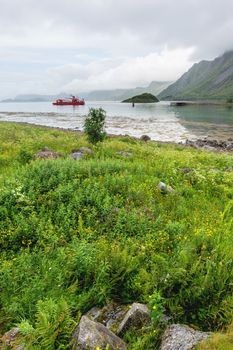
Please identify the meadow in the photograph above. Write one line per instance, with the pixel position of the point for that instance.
(77, 234)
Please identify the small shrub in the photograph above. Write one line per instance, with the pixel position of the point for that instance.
(24, 156)
(94, 125)
(156, 306)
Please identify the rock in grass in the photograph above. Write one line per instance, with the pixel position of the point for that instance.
(81, 153)
(77, 155)
(145, 138)
(164, 188)
(136, 318)
(90, 335)
(111, 315)
(9, 340)
(186, 170)
(209, 148)
(125, 154)
(86, 150)
(211, 145)
(47, 154)
(181, 337)
(229, 169)
(45, 149)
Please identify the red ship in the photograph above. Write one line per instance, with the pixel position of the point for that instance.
(73, 101)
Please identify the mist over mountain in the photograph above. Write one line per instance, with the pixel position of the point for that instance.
(206, 80)
(155, 87)
(36, 98)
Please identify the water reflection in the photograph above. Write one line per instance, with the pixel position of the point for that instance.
(206, 120)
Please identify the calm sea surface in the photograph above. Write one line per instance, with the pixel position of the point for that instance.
(160, 121)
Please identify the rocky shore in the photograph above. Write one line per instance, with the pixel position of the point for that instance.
(212, 145)
(205, 144)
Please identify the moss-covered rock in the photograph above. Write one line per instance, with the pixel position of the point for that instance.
(93, 335)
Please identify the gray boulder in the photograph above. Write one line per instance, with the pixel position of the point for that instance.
(137, 316)
(125, 154)
(47, 154)
(77, 155)
(86, 150)
(181, 337)
(145, 138)
(89, 335)
(45, 149)
(186, 170)
(162, 187)
(165, 188)
(112, 315)
(211, 145)
(209, 148)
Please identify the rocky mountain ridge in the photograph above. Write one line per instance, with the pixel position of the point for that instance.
(206, 80)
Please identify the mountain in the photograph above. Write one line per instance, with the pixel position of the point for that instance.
(142, 98)
(36, 98)
(206, 80)
(155, 87)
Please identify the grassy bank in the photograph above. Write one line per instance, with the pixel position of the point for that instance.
(75, 234)
(219, 341)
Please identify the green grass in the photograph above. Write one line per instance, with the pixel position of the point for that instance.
(219, 341)
(75, 234)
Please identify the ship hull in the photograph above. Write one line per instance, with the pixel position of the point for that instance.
(80, 103)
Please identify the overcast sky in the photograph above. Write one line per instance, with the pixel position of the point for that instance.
(48, 46)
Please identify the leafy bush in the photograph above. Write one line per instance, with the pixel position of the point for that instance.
(24, 156)
(94, 125)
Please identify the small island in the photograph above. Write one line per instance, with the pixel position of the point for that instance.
(143, 98)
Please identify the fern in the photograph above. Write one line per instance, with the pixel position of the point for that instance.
(52, 328)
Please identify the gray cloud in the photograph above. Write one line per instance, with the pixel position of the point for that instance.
(78, 41)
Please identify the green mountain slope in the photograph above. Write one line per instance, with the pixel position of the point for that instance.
(205, 80)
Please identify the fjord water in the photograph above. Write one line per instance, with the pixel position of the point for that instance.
(160, 121)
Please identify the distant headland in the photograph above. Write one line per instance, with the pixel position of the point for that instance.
(143, 98)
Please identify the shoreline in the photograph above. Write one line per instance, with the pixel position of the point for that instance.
(207, 144)
(160, 122)
(222, 102)
(183, 103)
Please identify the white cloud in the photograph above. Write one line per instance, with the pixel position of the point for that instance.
(127, 73)
(107, 43)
